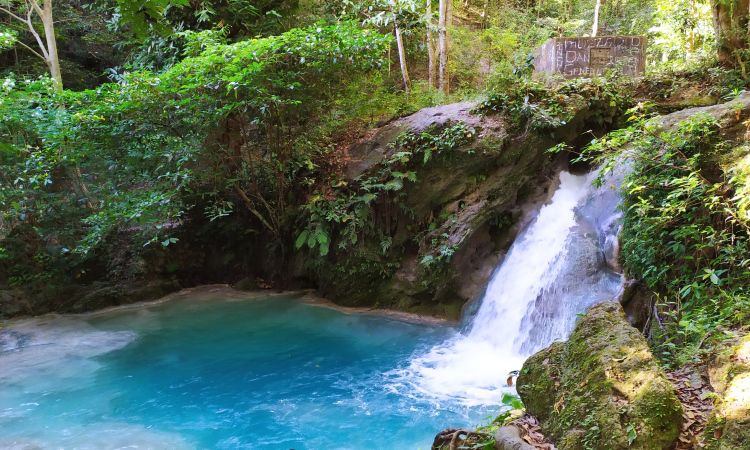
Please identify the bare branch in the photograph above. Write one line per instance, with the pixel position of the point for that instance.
(38, 38)
(251, 206)
(10, 13)
(31, 50)
(36, 7)
(30, 25)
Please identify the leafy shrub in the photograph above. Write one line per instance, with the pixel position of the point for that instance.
(345, 211)
(683, 231)
(217, 127)
(537, 107)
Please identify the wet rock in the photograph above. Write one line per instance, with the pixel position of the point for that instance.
(470, 203)
(246, 284)
(12, 303)
(371, 150)
(81, 298)
(612, 252)
(637, 301)
(727, 114)
(509, 438)
(602, 388)
(101, 295)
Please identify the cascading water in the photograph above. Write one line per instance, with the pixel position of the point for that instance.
(557, 267)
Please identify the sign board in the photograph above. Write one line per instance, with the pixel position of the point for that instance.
(591, 56)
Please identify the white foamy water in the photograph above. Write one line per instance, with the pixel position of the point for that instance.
(555, 270)
(53, 349)
(98, 436)
(51, 354)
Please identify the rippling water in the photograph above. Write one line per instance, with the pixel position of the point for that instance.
(219, 373)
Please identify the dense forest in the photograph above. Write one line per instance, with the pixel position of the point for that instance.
(384, 153)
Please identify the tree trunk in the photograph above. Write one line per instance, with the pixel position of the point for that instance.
(595, 27)
(402, 58)
(731, 27)
(430, 45)
(443, 46)
(53, 60)
(48, 45)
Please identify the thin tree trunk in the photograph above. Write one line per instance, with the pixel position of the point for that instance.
(430, 45)
(47, 47)
(402, 58)
(595, 27)
(53, 60)
(443, 46)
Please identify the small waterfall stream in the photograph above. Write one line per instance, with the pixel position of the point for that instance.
(559, 265)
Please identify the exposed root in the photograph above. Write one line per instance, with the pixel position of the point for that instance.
(459, 439)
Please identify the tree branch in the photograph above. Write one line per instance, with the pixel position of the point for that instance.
(31, 50)
(36, 7)
(7, 11)
(250, 206)
(35, 34)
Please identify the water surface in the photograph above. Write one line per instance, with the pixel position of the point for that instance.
(219, 373)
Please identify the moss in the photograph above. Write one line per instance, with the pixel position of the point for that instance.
(729, 425)
(602, 389)
(539, 376)
(452, 311)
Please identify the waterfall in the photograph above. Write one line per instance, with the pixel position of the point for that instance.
(559, 265)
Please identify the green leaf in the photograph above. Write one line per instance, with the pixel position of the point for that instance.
(301, 239)
(167, 242)
(324, 248)
(394, 185)
(632, 435)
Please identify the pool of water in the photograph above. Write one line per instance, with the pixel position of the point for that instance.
(219, 373)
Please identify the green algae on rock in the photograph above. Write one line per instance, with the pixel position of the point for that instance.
(602, 389)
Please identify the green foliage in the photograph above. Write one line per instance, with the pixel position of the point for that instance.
(346, 210)
(150, 15)
(8, 38)
(143, 152)
(682, 33)
(512, 407)
(153, 35)
(684, 233)
(703, 82)
(537, 107)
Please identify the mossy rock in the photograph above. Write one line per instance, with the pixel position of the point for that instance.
(602, 389)
(729, 425)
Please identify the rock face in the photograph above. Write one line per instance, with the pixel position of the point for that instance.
(81, 298)
(468, 204)
(602, 389)
(729, 426)
(32, 283)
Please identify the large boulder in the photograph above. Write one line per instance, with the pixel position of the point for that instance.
(602, 389)
(444, 233)
(468, 203)
(729, 373)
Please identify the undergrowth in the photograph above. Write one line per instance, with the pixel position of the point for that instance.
(537, 107)
(686, 231)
